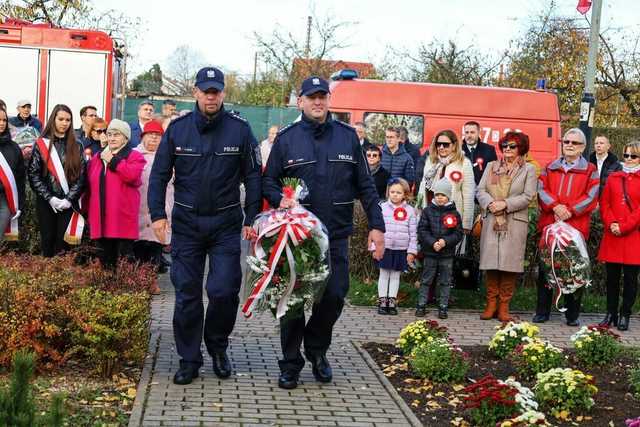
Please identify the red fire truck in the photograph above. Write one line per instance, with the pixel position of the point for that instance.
(52, 66)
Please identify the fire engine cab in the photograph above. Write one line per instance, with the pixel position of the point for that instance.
(52, 66)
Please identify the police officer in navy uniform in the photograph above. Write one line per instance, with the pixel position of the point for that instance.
(211, 152)
(326, 155)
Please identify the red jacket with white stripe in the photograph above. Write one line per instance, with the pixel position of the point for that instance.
(576, 188)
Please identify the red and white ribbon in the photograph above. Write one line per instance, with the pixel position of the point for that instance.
(8, 182)
(288, 225)
(556, 237)
(73, 234)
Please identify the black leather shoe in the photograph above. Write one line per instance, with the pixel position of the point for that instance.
(221, 364)
(574, 322)
(185, 375)
(609, 319)
(421, 311)
(623, 324)
(320, 367)
(288, 380)
(392, 311)
(540, 318)
(442, 313)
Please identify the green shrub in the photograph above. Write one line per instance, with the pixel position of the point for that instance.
(535, 356)
(634, 379)
(17, 406)
(510, 336)
(416, 333)
(109, 328)
(438, 360)
(596, 345)
(564, 390)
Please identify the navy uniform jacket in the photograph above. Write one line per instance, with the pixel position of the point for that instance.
(329, 159)
(211, 158)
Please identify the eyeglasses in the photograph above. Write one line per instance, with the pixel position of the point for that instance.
(443, 144)
(630, 156)
(570, 142)
(373, 155)
(113, 134)
(99, 131)
(509, 146)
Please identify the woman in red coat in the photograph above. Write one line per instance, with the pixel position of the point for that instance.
(620, 209)
(114, 176)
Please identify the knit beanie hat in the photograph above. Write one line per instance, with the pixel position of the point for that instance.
(120, 126)
(443, 186)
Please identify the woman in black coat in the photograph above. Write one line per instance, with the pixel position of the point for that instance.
(11, 181)
(58, 195)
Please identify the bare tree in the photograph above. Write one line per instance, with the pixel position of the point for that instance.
(182, 66)
(293, 58)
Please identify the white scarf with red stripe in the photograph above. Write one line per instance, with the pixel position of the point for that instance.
(8, 182)
(73, 234)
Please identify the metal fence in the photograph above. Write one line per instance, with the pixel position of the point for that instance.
(260, 118)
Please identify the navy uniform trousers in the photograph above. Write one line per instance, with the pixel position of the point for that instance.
(317, 332)
(193, 239)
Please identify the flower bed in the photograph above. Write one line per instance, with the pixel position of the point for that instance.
(537, 384)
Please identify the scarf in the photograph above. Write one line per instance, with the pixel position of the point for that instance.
(500, 178)
(433, 174)
(373, 171)
(628, 169)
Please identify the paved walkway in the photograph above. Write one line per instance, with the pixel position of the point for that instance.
(358, 395)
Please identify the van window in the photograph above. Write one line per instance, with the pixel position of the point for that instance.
(343, 117)
(377, 123)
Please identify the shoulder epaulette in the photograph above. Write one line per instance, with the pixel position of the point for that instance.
(288, 127)
(237, 116)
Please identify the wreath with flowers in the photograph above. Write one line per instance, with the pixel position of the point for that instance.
(456, 176)
(450, 221)
(400, 214)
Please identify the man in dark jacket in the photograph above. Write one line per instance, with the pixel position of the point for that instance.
(395, 158)
(379, 174)
(477, 151)
(412, 149)
(24, 117)
(326, 155)
(605, 161)
(361, 130)
(439, 231)
(206, 154)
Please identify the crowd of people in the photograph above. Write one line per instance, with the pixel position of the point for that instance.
(175, 178)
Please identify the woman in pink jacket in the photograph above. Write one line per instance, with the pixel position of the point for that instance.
(114, 200)
(148, 248)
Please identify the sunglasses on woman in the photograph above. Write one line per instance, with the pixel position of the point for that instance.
(568, 141)
(511, 146)
(443, 144)
(373, 155)
(99, 131)
(630, 156)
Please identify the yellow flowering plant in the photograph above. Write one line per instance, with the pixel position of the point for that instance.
(535, 355)
(564, 390)
(510, 336)
(419, 332)
(596, 345)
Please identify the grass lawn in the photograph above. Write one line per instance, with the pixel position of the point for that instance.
(524, 299)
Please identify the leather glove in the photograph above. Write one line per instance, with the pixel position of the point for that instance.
(54, 202)
(64, 204)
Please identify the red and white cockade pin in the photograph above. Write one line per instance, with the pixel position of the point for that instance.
(456, 176)
(400, 214)
(450, 221)
(480, 162)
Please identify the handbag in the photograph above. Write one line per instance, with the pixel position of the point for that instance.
(476, 228)
(466, 268)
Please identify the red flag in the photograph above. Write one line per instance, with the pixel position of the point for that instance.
(584, 6)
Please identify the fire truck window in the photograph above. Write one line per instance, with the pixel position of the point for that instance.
(377, 123)
(343, 117)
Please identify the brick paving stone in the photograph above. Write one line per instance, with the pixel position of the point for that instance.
(355, 397)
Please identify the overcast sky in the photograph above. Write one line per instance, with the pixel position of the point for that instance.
(223, 30)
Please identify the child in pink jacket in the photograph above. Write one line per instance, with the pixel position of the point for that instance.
(400, 241)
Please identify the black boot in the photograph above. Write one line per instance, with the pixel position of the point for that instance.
(320, 367)
(185, 374)
(288, 380)
(442, 312)
(623, 323)
(609, 319)
(540, 318)
(391, 306)
(382, 306)
(421, 311)
(221, 364)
